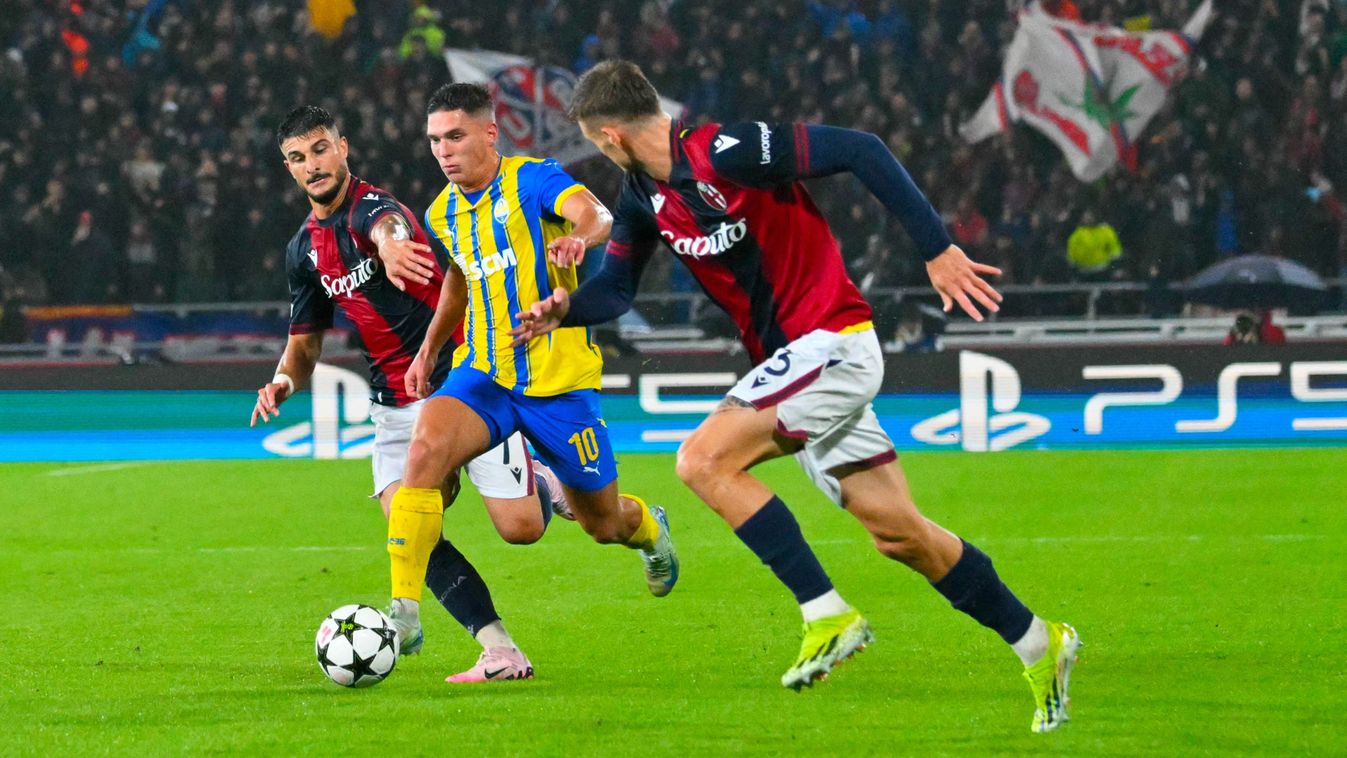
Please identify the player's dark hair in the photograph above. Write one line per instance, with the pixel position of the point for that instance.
(460, 96)
(302, 120)
(614, 90)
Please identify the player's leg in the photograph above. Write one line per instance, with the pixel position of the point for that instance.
(448, 433)
(714, 462)
(521, 495)
(570, 437)
(451, 578)
(874, 490)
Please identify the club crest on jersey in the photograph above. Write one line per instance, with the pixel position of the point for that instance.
(712, 196)
(500, 211)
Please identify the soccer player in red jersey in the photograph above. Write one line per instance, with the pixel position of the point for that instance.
(728, 201)
(333, 261)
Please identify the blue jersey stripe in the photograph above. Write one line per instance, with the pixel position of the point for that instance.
(469, 332)
(539, 251)
(493, 370)
(521, 359)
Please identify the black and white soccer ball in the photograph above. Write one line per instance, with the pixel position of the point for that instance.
(357, 646)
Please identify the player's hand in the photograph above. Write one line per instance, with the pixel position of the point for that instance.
(269, 400)
(563, 251)
(959, 280)
(541, 317)
(407, 261)
(417, 381)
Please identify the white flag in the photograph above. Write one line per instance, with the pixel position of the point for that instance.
(1091, 89)
(531, 103)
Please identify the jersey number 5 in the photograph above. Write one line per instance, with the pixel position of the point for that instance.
(586, 445)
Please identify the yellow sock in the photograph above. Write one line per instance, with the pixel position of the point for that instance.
(645, 535)
(415, 521)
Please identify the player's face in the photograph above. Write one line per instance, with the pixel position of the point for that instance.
(317, 161)
(464, 145)
(608, 139)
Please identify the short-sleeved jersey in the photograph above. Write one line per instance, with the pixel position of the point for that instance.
(332, 263)
(736, 214)
(499, 241)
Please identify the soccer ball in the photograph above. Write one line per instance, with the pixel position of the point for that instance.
(357, 646)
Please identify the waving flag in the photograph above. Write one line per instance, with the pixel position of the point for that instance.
(1091, 89)
(531, 103)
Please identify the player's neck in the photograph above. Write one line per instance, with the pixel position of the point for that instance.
(480, 183)
(327, 209)
(650, 148)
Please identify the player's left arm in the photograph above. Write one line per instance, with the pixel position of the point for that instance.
(764, 156)
(404, 258)
(591, 226)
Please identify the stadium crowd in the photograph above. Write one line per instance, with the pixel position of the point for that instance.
(138, 163)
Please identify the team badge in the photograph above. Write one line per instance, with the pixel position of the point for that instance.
(500, 211)
(712, 196)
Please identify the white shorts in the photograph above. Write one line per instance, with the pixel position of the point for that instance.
(822, 385)
(505, 471)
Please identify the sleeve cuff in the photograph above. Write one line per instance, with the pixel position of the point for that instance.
(561, 197)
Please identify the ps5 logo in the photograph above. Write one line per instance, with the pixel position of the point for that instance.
(339, 428)
(983, 381)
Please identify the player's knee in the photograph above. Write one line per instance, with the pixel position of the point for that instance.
(523, 532)
(697, 461)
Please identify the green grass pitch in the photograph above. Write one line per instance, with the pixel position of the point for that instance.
(170, 607)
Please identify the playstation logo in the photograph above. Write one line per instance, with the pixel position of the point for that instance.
(983, 380)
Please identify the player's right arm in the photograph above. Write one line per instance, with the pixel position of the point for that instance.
(311, 313)
(448, 315)
(292, 374)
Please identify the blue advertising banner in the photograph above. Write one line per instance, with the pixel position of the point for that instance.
(969, 401)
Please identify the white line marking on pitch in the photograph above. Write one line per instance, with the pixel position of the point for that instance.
(97, 468)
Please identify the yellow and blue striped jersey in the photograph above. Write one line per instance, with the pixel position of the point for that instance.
(498, 239)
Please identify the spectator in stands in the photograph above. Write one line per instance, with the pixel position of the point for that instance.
(1093, 248)
(1244, 332)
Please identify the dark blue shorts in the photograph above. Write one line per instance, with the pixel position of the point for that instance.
(566, 431)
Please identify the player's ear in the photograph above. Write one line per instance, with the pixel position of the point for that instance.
(612, 134)
(492, 132)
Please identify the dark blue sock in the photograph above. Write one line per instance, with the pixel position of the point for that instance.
(459, 588)
(973, 587)
(774, 536)
(544, 498)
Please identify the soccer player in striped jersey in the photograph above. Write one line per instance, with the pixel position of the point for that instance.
(502, 220)
(729, 203)
(333, 262)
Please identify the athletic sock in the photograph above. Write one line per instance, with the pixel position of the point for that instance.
(774, 536)
(973, 587)
(454, 581)
(828, 604)
(415, 520)
(1034, 644)
(645, 535)
(494, 635)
